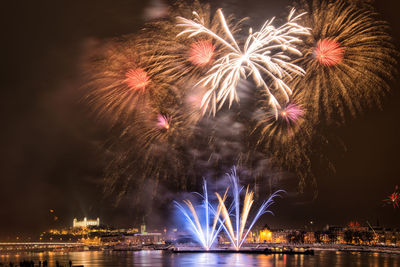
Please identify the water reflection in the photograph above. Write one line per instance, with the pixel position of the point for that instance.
(166, 259)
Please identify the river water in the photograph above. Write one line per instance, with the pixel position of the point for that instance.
(165, 259)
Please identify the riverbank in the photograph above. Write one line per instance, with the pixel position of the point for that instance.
(283, 248)
(338, 247)
(267, 248)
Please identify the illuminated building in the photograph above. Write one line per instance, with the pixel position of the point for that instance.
(86, 222)
(145, 239)
(265, 236)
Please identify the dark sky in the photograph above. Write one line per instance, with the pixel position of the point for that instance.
(49, 146)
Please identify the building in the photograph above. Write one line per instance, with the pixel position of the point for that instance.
(264, 236)
(85, 223)
(145, 239)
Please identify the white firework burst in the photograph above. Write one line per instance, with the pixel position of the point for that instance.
(264, 56)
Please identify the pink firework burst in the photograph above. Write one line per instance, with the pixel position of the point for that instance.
(201, 52)
(328, 52)
(137, 79)
(163, 121)
(292, 113)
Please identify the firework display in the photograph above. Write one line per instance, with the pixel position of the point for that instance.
(238, 231)
(206, 225)
(201, 229)
(328, 60)
(349, 59)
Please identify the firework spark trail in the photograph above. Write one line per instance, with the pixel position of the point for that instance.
(258, 58)
(205, 234)
(238, 234)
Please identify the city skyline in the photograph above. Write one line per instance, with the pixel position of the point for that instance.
(50, 158)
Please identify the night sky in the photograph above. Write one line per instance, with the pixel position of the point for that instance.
(50, 146)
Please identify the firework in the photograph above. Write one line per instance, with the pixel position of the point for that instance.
(154, 144)
(280, 126)
(238, 232)
(163, 121)
(328, 52)
(393, 198)
(349, 59)
(137, 79)
(285, 138)
(204, 232)
(201, 52)
(178, 58)
(265, 55)
(354, 225)
(122, 82)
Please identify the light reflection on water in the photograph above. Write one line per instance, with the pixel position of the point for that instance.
(165, 259)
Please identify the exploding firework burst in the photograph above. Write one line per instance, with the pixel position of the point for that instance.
(122, 82)
(201, 229)
(328, 52)
(349, 58)
(238, 231)
(278, 127)
(264, 56)
(201, 52)
(163, 121)
(393, 199)
(137, 79)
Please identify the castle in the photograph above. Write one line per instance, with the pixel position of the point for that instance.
(86, 222)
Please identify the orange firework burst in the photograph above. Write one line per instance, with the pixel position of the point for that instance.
(329, 52)
(201, 53)
(137, 79)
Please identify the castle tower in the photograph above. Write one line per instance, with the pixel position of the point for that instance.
(143, 227)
